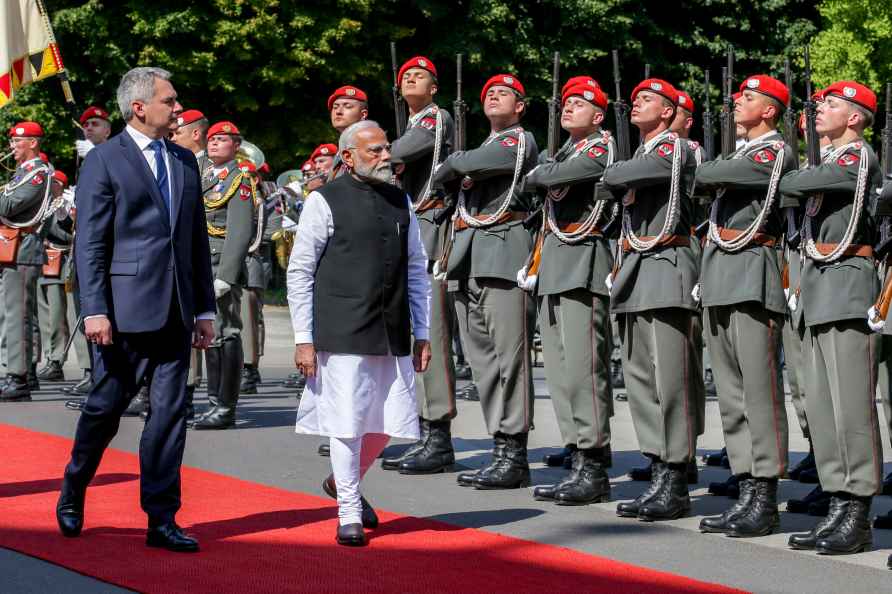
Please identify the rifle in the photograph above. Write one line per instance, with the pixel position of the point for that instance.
(812, 146)
(880, 309)
(459, 109)
(647, 71)
(621, 113)
(399, 104)
(729, 127)
(554, 108)
(791, 140)
(708, 125)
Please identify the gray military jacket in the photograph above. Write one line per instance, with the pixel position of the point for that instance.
(573, 174)
(500, 250)
(844, 289)
(229, 207)
(665, 276)
(415, 150)
(753, 273)
(20, 200)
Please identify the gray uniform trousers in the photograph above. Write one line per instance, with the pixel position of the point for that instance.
(576, 345)
(496, 320)
(794, 332)
(744, 341)
(701, 354)
(195, 368)
(52, 316)
(436, 390)
(228, 321)
(251, 314)
(841, 374)
(884, 377)
(660, 365)
(80, 341)
(20, 303)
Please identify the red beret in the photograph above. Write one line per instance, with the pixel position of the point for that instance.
(854, 92)
(264, 168)
(60, 177)
(247, 166)
(417, 62)
(580, 80)
(818, 95)
(595, 96)
(93, 112)
(348, 91)
(324, 150)
(44, 157)
(189, 116)
(223, 127)
(736, 96)
(307, 166)
(685, 102)
(26, 130)
(771, 87)
(503, 80)
(658, 86)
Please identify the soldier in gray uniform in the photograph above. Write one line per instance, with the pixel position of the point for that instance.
(426, 142)
(22, 204)
(651, 293)
(573, 302)
(884, 381)
(229, 205)
(744, 305)
(488, 246)
(839, 284)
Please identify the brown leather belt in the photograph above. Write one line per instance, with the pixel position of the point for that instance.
(668, 241)
(460, 225)
(429, 205)
(564, 227)
(726, 234)
(856, 249)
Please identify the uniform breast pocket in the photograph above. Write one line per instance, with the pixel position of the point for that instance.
(124, 268)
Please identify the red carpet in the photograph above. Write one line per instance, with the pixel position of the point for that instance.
(272, 540)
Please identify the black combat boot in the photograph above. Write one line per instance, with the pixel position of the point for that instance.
(223, 415)
(720, 524)
(800, 506)
(592, 484)
(394, 462)
(806, 541)
(212, 363)
(561, 458)
(807, 464)
(51, 372)
(761, 517)
(852, 534)
(629, 509)
(547, 492)
(250, 379)
(15, 389)
(436, 455)
(672, 500)
(729, 488)
(512, 471)
(499, 443)
(643, 473)
(139, 404)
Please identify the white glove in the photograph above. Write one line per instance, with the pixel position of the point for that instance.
(609, 282)
(793, 301)
(83, 147)
(221, 287)
(525, 282)
(873, 314)
(64, 210)
(787, 294)
(696, 293)
(439, 274)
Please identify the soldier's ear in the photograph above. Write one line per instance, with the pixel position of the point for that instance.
(364, 114)
(434, 89)
(598, 118)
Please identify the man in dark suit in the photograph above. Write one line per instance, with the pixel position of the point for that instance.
(143, 261)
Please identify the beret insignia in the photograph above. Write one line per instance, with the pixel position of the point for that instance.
(656, 86)
(753, 83)
(849, 92)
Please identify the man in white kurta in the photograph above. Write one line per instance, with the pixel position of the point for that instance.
(359, 292)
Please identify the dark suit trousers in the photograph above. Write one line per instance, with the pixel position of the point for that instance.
(163, 357)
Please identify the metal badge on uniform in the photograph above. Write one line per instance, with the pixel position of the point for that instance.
(37, 180)
(656, 86)
(849, 92)
(764, 156)
(508, 80)
(666, 149)
(847, 159)
(467, 183)
(422, 63)
(588, 95)
(508, 141)
(752, 83)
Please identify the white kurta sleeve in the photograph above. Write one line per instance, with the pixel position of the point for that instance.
(313, 232)
(419, 284)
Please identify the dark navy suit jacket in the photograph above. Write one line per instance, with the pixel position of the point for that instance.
(133, 258)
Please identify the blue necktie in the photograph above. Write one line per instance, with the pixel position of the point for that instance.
(161, 169)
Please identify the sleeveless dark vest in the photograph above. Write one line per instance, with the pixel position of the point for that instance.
(361, 295)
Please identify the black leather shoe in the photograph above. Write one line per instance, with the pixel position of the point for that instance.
(369, 517)
(592, 484)
(51, 372)
(643, 473)
(82, 388)
(761, 517)
(76, 404)
(852, 534)
(139, 404)
(622, 397)
(463, 371)
(324, 449)
(351, 535)
(436, 455)
(883, 522)
(15, 389)
(807, 463)
(672, 501)
(715, 459)
(171, 537)
(720, 524)
(469, 393)
(512, 470)
(394, 463)
(807, 541)
(70, 515)
(816, 495)
(559, 459)
(629, 509)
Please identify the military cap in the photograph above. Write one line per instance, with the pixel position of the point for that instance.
(324, 150)
(223, 127)
(768, 86)
(26, 130)
(348, 91)
(580, 80)
(417, 62)
(595, 95)
(853, 92)
(658, 86)
(685, 102)
(503, 80)
(189, 116)
(60, 177)
(264, 169)
(93, 112)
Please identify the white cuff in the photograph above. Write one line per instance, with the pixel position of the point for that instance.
(303, 338)
(421, 333)
(208, 315)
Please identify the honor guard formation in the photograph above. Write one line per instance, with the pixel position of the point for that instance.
(705, 270)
